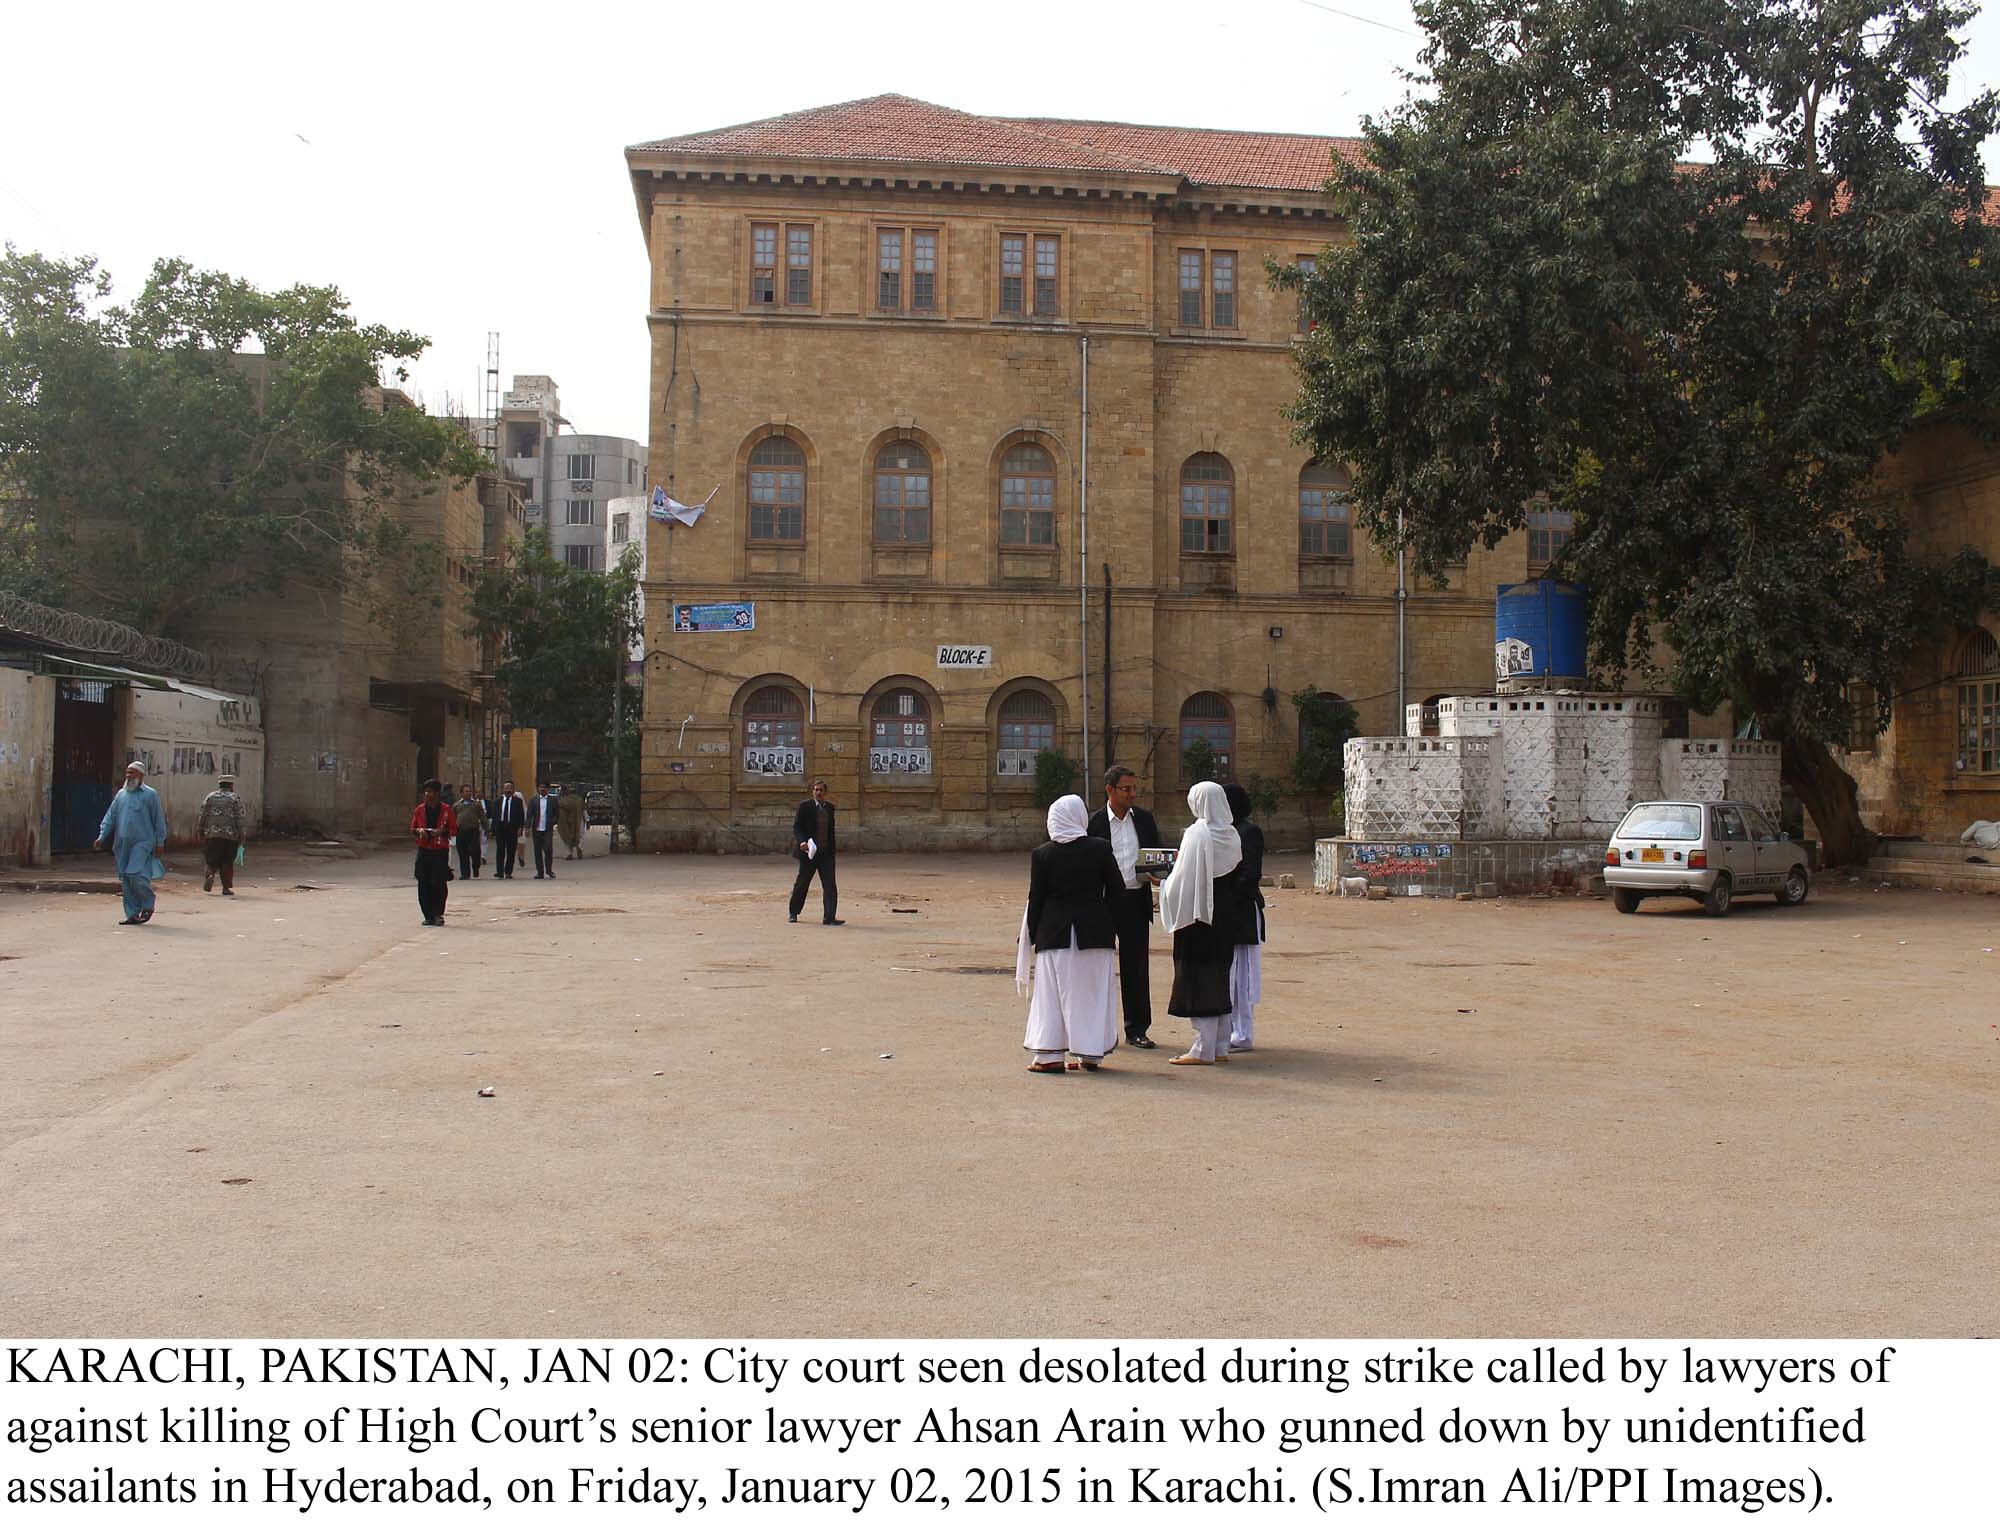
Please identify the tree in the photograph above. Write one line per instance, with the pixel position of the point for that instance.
(563, 634)
(1055, 775)
(1703, 364)
(1319, 769)
(1198, 761)
(206, 440)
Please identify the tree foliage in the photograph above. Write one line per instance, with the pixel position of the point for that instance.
(1055, 775)
(1319, 768)
(206, 439)
(1540, 296)
(563, 634)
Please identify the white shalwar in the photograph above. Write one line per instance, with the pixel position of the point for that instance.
(1074, 1006)
(1246, 988)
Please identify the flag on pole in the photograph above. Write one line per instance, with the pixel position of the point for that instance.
(666, 509)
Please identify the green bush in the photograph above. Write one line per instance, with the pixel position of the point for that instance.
(1198, 763)
(1265, 795)
(1055, 775)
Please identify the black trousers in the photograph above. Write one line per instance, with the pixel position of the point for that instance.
(506, 847)
(829, 891)
(545, 853)
(1131, 913)
(433, 882)
(468, 852)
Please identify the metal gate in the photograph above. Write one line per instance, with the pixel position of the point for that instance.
(86, 771)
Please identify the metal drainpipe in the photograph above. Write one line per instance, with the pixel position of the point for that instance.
(1083, 562)
(1402, 641)
(1107, 759)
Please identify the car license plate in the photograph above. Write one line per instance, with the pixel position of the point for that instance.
(1652, 855)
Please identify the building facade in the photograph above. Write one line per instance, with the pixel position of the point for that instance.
(984, 402)
(1936, 769)
(569, 479)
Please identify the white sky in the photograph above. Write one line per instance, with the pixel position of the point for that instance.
(459, 168)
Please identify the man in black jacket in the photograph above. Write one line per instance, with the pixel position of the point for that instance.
(509, 816)
(1129, 828)
(813, 844)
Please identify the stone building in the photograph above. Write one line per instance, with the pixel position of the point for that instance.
(1937, 767)
(568, 480)
(921, 355)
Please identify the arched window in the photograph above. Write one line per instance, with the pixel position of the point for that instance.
(1325, 512)
(899, 736)
(902, 494)
(1027, 496)
(774, 733)
(1207, 486)
(1979, 704)
(777, 492)
(1027, 725)
(1549, 530)
(1207, 717)
(1327, 717)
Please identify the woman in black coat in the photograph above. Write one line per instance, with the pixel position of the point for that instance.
(1066, 945)
(1246, 969)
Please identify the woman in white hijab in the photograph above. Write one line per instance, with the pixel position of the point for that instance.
(1199, 905)
(1066, 945)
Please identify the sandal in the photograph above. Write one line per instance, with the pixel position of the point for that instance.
(1045, 1068)
(1189, 1058)
(1081, 1063)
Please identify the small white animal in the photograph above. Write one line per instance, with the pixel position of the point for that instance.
(1354, 888)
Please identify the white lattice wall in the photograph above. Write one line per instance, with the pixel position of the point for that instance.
(1621, 742)
(1407, 788)
(1744, 770)
(1543, 788)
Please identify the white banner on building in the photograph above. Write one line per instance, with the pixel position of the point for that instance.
(892, 760)
(965, 656)
(774, 761)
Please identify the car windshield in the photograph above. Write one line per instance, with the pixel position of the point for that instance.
(1664, 822)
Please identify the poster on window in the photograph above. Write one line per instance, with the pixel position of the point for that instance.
(894, 761)
(1014, 764)
(774, 761)
(708, 618)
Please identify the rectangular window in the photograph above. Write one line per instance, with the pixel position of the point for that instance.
(1862, 710)
(763, 263)
(1549, 530)
(631, 473)
(1307, 263)
(1013, 273)
(582, 468)
(1222, 290)
(923, 270)
(621, 528)
(798, 267)
(1979, 726)
(1047, 263)
(582, 557)
(581, 511)
(1190, 288)
(889, 271)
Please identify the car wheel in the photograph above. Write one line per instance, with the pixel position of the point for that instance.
(1627, 900)
(1716, 902)
(1795, 888)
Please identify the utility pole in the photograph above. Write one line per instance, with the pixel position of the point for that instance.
(618, 722)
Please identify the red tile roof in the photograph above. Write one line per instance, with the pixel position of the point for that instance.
(1210, 156)
(894, 129)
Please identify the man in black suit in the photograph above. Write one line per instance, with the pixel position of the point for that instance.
(510, 814)
(542, 831)
(1129, 828)
(814, 824)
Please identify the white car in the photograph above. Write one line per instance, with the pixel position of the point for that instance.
(1706, 850)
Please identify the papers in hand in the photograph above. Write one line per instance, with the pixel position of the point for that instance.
(812, 849)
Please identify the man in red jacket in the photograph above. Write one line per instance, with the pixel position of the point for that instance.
(433, 827)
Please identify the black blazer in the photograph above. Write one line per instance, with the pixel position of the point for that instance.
(1245, 919)
(1149, 836)
(805, 826)
(510, 813)
(1071, 886)
(534, 810)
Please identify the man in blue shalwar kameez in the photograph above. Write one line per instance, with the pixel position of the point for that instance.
(136, 827)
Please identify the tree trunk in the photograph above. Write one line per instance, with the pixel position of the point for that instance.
(1830, 797)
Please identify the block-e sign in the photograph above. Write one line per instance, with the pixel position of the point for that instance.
(965, 656)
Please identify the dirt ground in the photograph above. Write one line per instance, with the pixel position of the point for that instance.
(260, 1116)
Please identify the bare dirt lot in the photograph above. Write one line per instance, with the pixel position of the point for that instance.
(260, 1116)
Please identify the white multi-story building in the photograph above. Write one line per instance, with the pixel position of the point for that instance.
(570, 478)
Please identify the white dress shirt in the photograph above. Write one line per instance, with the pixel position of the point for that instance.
(1125, 845)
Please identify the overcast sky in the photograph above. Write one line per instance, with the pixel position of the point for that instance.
(458, 169)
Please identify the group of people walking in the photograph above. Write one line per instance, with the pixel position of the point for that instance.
(1090, 896)
(440, 824)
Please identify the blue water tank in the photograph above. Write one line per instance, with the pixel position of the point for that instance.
(1540, 631)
